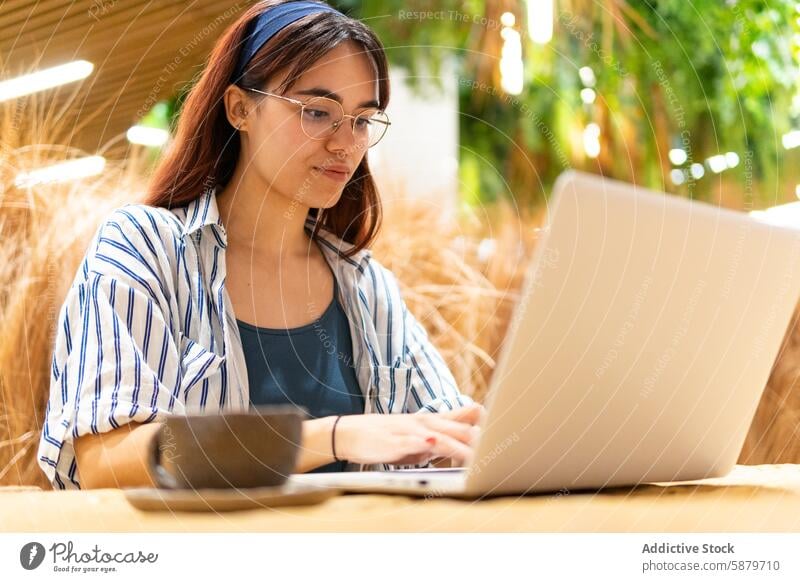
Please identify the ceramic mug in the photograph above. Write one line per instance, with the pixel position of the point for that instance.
(231, 450)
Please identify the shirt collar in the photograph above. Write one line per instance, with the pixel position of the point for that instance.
(203, 212)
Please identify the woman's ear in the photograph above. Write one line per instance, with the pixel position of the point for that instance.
(236, 107)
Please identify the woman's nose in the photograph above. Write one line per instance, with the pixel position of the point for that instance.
(343, 138)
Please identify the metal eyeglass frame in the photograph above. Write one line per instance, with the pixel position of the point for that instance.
(335, 124)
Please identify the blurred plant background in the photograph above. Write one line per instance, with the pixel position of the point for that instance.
(618, 86)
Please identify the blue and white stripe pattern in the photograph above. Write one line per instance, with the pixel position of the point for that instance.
(147, 329)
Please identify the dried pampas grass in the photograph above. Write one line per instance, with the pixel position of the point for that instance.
(774, 435)
(460, 277)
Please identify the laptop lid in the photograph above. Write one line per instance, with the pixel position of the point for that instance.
(643, 339)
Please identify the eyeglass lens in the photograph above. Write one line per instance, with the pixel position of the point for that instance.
(322, 116)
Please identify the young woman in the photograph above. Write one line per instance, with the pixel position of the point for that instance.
(246, 277)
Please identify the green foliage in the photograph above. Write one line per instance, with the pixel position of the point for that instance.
(720, 74)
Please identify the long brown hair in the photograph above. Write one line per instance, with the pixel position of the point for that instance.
(206, 146)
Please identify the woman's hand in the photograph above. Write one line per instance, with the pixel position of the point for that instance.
(408, 439)
(473, 414)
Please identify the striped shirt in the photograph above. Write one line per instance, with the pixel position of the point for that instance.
(147, 329)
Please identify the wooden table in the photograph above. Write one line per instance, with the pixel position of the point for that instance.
(751, 498)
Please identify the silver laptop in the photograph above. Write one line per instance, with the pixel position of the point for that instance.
(644, 336)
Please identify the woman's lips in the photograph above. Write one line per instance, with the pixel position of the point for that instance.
(333, 174)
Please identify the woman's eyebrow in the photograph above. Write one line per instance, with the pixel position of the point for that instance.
(320, 92)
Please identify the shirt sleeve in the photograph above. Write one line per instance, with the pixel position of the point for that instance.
(114, 359)
(432, 387)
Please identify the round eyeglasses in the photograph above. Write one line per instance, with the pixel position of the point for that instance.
(320, 117)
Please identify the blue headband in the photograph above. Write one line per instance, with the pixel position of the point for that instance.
(269, 23)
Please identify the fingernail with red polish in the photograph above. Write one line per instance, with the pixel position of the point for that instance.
(431, 440)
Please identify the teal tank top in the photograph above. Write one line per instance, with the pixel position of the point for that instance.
(310, 366)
